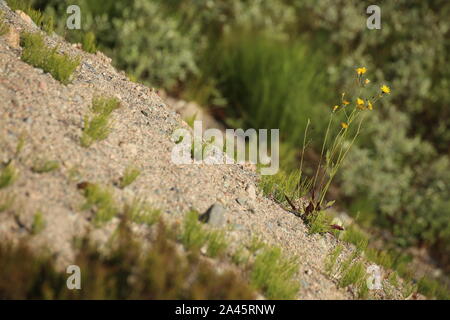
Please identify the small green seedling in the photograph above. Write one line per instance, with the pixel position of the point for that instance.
(104, 105)
(130, 174)
(101, 201)
(193, 236)
(274, 274)
(38, 223)
(331, 260)
(217, 244)
(141, 212)
(88, 42)
(8, 175)
(44, 166)
(353, 275)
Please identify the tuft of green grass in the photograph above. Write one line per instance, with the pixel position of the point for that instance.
(104, 105)
(380, 257)
(101, 201)
(6, 201)
(43, 21)
(256, 244)
(88, 42)
(393, 279)
(193, 236)
(281, 184)
(356, 237)
(331, 260)
(217, 244)
(44, 166)
(240, 256)
(274, 275)
(98, 126)
(8, 175)
(319, 222)
(354, 274)
(4, 29)
(130, 174)
(36, 53)
(141, 212)
(38, 223)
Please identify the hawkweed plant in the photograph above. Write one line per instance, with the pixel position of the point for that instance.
(349, 115)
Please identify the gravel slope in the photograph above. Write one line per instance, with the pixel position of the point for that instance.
(50, 116)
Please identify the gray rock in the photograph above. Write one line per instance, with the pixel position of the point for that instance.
(214, 216)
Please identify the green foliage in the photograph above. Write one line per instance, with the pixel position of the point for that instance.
(240, 256)
(193, 236)
(274, 274)
(380, 257)
(284, 184)
(104, 105)
(332, 258)
(270, 83)
(356, 237)
(100, 201)
(44, 166)
(160, 272)
(354, 274)
(43, 21)
(406, 183)
(36, 53)
(38, 223)
(217, 244)
(141, 212)
(97, 127)
(88, 42)
(319, 222)
(8, 174)
(130, 174)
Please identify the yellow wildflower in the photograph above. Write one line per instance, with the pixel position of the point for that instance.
(361, 70)
(367, 81)
(369, 105)
(344, 125)
(335, 108)
(360, 103)
(385, 89)
(345, 102)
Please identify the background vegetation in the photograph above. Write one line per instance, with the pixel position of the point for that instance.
(274, 64)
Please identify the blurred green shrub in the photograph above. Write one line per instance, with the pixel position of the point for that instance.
(407, 184)
(270, 83)
(127, 271)
(138, 35)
